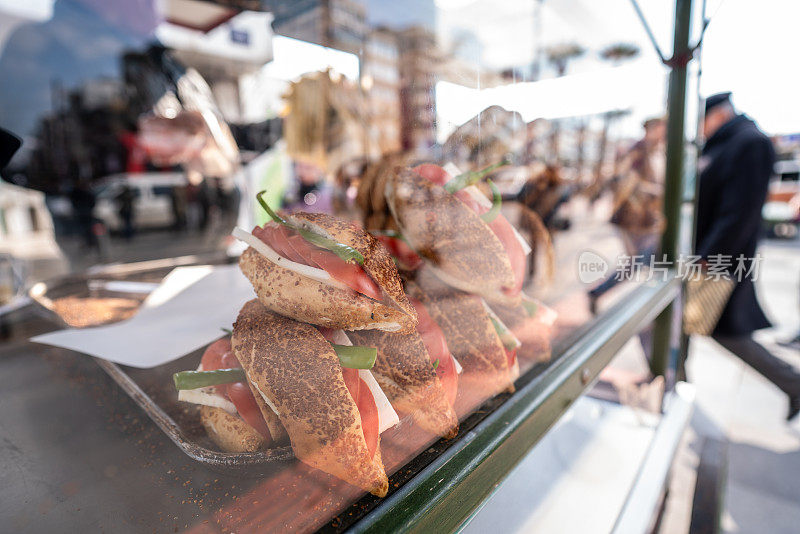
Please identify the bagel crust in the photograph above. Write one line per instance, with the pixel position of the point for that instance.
(293, 366)
(230, 432)
(470, 334)
(310, 301)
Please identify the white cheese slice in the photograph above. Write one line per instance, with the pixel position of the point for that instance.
(459, 369)
(546, 315)
(205, 397)
(525, 246)
(340, 338)
(478, 196)
(387, 417)
(270, 254)
(508, 331)
(452, 169)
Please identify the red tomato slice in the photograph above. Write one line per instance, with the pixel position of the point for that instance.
(367, 408)
(327, 333)
(293, 247)
(301, 247)
(212, 357)
(405, 255)
(281, 235)
(369, 417)
(351, 381)
(435, 344)
(511, 356)
(245, 403)
(516, 255)
(433, 173)
(350, 274)
(287, 238)
(219, 355)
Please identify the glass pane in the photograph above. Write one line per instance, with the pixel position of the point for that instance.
(367, 124)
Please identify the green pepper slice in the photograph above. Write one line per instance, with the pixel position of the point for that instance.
(497, 201)
(356, 357)
(345, 252)
(201, 379)
(473, 177)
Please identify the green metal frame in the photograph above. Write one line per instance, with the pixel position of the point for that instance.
(442, 496)
(673, 180)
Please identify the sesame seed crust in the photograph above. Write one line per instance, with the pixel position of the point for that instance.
(470, 334)
(298, 371)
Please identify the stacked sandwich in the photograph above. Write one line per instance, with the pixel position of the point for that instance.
(299, 365)
(337, 346)
(455, 247)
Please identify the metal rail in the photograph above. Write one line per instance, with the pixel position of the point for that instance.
(673, 182)
(442, 496)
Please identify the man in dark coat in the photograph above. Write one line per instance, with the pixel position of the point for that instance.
(735, 169)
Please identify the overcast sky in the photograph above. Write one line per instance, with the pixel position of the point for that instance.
(751, 49)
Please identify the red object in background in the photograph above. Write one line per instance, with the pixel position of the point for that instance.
(136, 157)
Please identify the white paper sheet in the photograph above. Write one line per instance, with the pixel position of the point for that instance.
(183, 314)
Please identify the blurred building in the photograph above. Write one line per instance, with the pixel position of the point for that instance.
(419, 63)
(381, 82)
(338, 24)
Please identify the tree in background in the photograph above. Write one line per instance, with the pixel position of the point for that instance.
(559, 56)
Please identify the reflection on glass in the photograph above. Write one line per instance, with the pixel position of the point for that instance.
(151, 129)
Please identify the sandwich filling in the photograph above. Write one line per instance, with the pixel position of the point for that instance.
(219, 355)
(291, 245)
(286, 248)
(510, 342)
(499, 225)
(445, 365)
(377, 414)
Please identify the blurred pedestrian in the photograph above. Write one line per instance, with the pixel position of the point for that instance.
(83, 201)
(735, 168)
(125, 209)
(638, 197)
(203, 198)
(178, 203)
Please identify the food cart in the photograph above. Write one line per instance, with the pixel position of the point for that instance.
(91, 443)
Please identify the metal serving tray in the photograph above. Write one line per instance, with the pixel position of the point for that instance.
(152, 388)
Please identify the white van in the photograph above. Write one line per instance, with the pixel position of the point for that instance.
(28, 248)
(152, 203)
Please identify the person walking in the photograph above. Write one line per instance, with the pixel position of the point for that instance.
(83, 202)
(636, 212)
(125, 209)
(734, 171)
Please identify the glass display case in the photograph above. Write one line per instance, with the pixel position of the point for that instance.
(425, 225)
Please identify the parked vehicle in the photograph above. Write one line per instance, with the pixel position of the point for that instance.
(781, 212)
(28, 248)
(152, 203)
